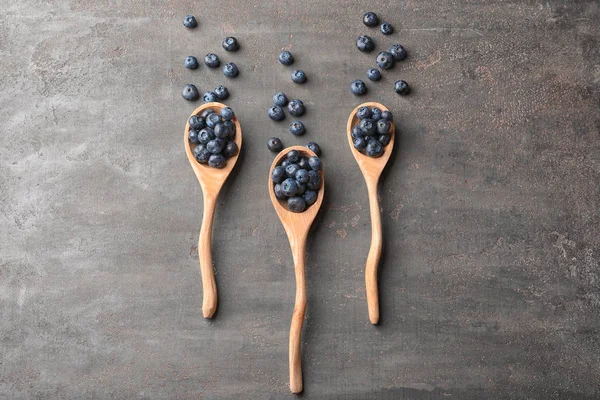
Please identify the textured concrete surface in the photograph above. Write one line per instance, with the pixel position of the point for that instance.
(490, 280)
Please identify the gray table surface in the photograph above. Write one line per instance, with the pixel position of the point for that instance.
(490, 280)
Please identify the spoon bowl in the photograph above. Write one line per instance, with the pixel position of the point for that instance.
(211, 181)
(371, 169)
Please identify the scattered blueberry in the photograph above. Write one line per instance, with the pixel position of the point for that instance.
(209, 97)
(367, 126)
(387, 115)
(191, 62)
(286, 58)
(227, 113)
(293, 156)
(217, 161)
(365, 44)
(276, 113)
(190, 92)
(221, 92)
(384, 139)
(315, 163)
(298, 76)
(297, 128)
(212, 60)
(384, 60)
(274, 144)
(278, 192)
(202, 155)
(384, 127)
(398, 52)
(291, 169)
(206, 135)
(278, 174)
(193, 136)
(314, 180)
(301, 175)
(375, 114)
(289, 187)
(314, 147)
(196, 122)
(363, 113)
(386, 28)
(359, 143)
(230, 70)
(280, 99)
(296, 108)
(374, 148)
(230, 44)
(296, 204)
(401, 87)
(231, 149)
(358, 87)
(213, 119)
(189, 21)
(370, 19)
(373, 74)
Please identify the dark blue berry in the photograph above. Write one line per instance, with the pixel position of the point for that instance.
(401, 87)
(298, 76)
(278, 192)
(193, 136)
(206, 113)
(191, 62)
(386, 28)
(231, 149)
(286, 58)
(301, 188)
(363, 112)
(303, 163)
(215, 146)
(278, 174)
(221, 92)
(365, 44)
(296, 204)
(289, 187)
(276, 113)
(222, 131)
(375, 114)
(384, 60)
(359, 143)
(384, 139)
(274, 144)
(310, 196)
(202, 154)
(231, 126)
(217, 161)
(209, 97)
(291, 169)
(314, 147)
(293, 156)
(227, 113)
(206, 135)
(301, 175)
(230, 70)
(358, 87)
(190, 92)
(297, 128)
(213, 119)
(230, 44)
(280, 99)
(314, 180)
(189, 21)
(285, 163)
(367, 126)
(373, 74)
(296, 108)
(212, 60)
(398, 52)
(384, 127)
(315, 163)
(374, 148)
(387, 115)
(356, 132)
(370, 19)
(196, 122)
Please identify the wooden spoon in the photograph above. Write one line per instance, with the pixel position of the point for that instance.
(211, 180)
(296, 226)
(371, 169)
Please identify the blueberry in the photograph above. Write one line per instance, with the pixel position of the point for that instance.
(198, 149)
(215, 146)
(358, 87)
(401, 87)
(230, 70)
(278, 174)
(387, 115)
(359, 143)
(196, 122)
(230, 44)
(297, 128)
(209, 97)
(386, 28)
(374, 148)
(296, 108)
(367, 126)
(301, 188)
(293, 156)
(291, 169)
(213, 119)
(373, 74)
(398, 52)
(202, 155)
(278, 192)
(384, 127)
(222, 131)
(286, 58)
(365, 44)
(303, 163)
(227, 113)
(280, 99)
(190, 92)
(221, 92)
(231, 127)
(276, 113)
(384, 139)
(375, 114)
(298, 76)
(231, 149)
(274, 144)
(212, 60)
(191, 62)
(289, 187)
(189, 21)
(206, 113)
(356, 132)
(370, 19)
(301, 175)
(314, 147)
(314, 180)
(384, 60)
(206, 135)
(217, 161)
(310, 196)
(363, 113)
(296, 204)
(193, 136)
(315, 163)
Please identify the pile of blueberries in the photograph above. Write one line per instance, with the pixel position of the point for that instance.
(385, 59)
(213, 136)
(297, 180)
(373, 131)
(190, 92)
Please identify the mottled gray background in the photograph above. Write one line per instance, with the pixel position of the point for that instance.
(490, 282)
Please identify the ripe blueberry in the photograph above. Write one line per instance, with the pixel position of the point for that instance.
(293, 156)
(209, 97)
(216, 161)
(286, 58)
(213, 119)
(193, 136)
(297, 128)
(278, 192)
(298, 76)
(374, 148)
(289, 187)
(401, 87)
(386, 28)
(215, 146)
(384, 139)
(373, 74)
(296, 108)
(314, 147)
(222, 131)
(196, 122)
(358, 87)
(274, 144)
(356, 132)
(231, 149)
(359, 143)
(221, 92)
(398, 52)
(314, 180)
(189, 21)
(280, 99)
(190, 92)
(384, 127)
(370, 19)
(315, 163)
(227, 113)
(384, 60)
(276, 113)
(230, 70)
(206, 135)
(291, 169)
(365, 44)
(387, 115)
(278, 174)
(212, 60)
(296, 204)
(191, 62)
(363, 113)
(301, 175)
(230, 44)
(367, 126)
(375, 114)
(202, 155)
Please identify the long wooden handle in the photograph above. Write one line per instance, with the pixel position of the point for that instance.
(209, 287)
(299, 253)
(374, 253)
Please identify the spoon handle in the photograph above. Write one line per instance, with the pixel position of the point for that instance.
(374, 253)
(209, 287)
(299, 254)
